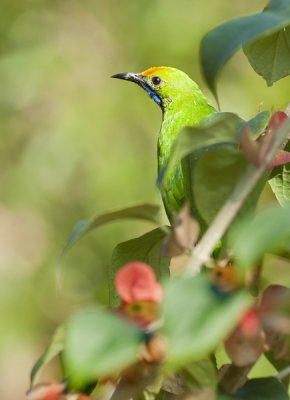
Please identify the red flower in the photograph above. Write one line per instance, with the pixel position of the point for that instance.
(136, 282)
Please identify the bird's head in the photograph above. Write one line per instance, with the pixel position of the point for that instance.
(165, 85)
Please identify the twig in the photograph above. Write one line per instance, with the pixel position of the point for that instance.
(233, 377)
(284, 373)
(253, 278)
(144, 374)
(201, 253)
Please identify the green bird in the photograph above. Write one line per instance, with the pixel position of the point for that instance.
(182, 104)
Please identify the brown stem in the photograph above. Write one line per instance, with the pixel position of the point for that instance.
(232, 377)
(253, 278)
(138, 378)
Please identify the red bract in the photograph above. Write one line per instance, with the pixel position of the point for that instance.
(281, 158)
(277, 119)
(136, 281)
(247, 342)
(249, 324)
(46, 391)
(77, 397)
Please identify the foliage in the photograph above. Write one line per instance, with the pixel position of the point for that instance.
(266, 30)
(159, 337)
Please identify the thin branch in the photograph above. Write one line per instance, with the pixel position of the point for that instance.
(201, 253)
(144, 374)
(284, 373)
(233, 377)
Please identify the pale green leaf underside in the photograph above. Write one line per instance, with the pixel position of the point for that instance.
(270, 56)
(280, 182)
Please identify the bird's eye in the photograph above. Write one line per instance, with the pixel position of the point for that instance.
(156, 80)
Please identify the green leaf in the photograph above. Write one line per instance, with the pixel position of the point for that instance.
(214, 178)
(146, 248)
(280, 185)
(219, 128)
(262, 389)
(55, 347)
(197, 317)
(147, 212)
(199, 375)
(221, 43)
(214, 163)
(268, 232)
(259, 123)
(280, 182)
(98, 343)
(270, 55)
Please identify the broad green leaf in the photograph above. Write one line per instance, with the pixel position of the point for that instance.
(268, 232)
(196, 317)
(214, 178)
(216, 130)
(146, 248)
(270, 55)
(219, 128)
(213, 163)
(55, 347)
(221, 43)
(147, 212)
(98, 343)
(280, 182)
(280, 185)
(262, 389)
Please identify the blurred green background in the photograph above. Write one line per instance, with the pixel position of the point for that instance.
(75, 142)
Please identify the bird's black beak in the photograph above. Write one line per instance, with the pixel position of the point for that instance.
(138, 78)
(130, 76)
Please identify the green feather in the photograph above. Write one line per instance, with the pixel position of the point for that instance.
(187, 107)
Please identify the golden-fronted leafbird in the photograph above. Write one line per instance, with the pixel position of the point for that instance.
(182, 104)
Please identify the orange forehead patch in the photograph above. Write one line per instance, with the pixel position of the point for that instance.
(151, 71)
